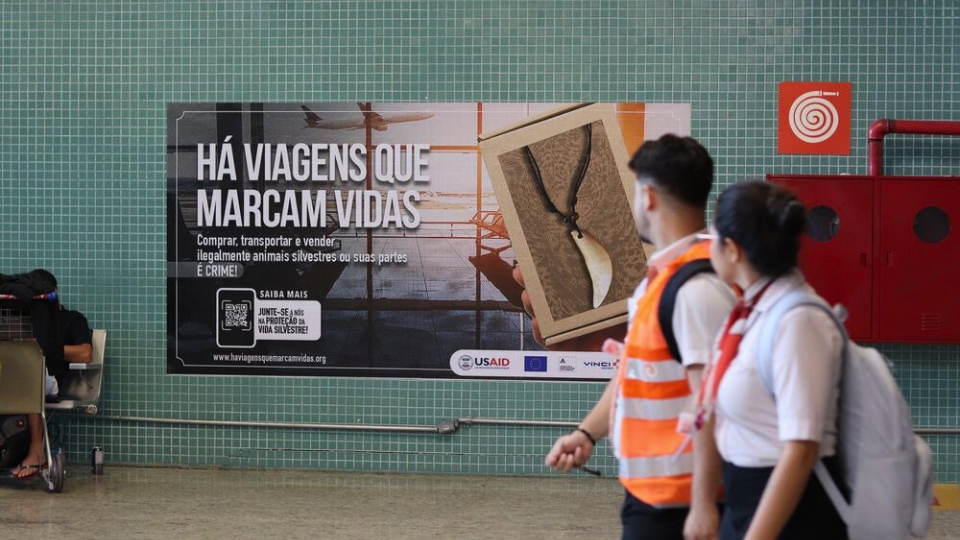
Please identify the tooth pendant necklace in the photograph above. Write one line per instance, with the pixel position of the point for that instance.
(595, 256)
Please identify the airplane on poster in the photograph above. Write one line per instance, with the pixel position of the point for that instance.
(377, 121)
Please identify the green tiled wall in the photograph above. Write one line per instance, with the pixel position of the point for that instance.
(83, 89)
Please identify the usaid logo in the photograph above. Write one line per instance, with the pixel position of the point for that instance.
(466, 362)
(492, 363)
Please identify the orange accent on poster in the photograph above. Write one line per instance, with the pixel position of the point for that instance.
(631, 117)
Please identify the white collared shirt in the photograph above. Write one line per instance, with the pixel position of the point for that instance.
(702, 305)
(752, 427)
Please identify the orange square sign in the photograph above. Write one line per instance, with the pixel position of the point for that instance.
(814, 118)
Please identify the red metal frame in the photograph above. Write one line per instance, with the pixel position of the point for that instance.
(880, 128)
(46, 296)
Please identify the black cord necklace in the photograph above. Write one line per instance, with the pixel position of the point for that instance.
(571, 218)
(596, 259)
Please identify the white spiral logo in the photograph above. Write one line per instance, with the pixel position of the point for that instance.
(812, 118)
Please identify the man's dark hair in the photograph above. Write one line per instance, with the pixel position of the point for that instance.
(44, 276)
(680, 166)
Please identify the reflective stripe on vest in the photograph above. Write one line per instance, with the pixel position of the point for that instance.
(655, 372)
(653, 467)
(652, 392)
(655, 409)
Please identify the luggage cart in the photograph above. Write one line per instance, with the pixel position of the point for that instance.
(23, 383)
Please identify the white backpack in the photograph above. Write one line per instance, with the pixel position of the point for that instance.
(885, 466)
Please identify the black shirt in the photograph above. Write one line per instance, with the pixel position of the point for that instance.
(74, 328)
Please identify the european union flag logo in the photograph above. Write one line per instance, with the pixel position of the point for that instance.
(535, 363)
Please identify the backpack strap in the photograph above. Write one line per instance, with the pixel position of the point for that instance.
(768, 335)
(771, 324)
(668, 300)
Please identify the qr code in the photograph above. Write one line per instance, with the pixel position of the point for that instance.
(236, 315)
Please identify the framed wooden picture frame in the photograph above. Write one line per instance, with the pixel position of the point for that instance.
(565, 191)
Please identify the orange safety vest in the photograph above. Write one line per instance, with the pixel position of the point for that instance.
(652, 391)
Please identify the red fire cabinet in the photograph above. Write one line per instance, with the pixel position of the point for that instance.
(837, 253)
(918, 285)
(886, 247)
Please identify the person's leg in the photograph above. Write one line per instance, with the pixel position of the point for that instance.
(742, 487)
(815, 516)
(644, 522)
(34, 460)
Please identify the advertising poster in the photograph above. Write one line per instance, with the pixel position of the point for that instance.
(354, 239)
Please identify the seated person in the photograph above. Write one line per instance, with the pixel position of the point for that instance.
(77, 344)
(77, 348)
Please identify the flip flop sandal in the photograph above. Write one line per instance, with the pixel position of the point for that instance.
(33, 470)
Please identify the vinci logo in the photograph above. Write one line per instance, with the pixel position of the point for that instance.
(492, 363)
(604, 365)
(814, 118)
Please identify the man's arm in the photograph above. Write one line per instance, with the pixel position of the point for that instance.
(703, 305)
(81, 354)
(703, 521)
(77, 347)
(574, 449)
(597, 421)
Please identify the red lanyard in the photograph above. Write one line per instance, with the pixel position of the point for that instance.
(729, 347)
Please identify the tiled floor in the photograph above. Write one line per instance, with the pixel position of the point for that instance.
(153, 503)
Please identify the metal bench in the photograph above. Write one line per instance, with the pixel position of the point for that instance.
(80, 387)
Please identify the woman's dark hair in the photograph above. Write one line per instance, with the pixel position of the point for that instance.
(766, 220)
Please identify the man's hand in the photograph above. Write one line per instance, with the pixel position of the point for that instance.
(590, 342)
(571, 450)
(703, 523)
